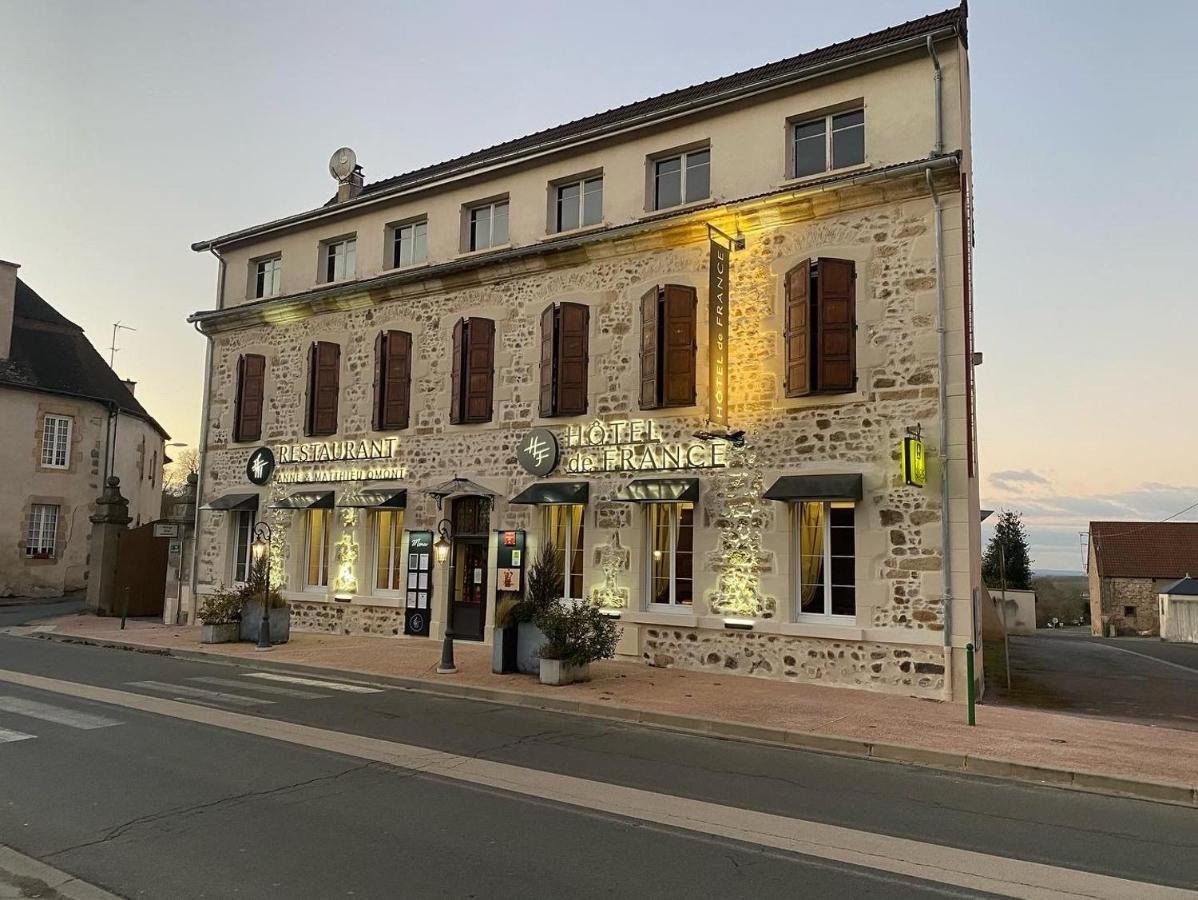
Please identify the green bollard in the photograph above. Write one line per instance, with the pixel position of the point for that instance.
(970, 690)
(125, 608)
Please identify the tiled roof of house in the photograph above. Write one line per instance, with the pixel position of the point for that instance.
(1145, 549)
(51, 353)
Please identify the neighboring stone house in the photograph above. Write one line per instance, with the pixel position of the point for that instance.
(68, 421)
(537, 343)
(1129, 564)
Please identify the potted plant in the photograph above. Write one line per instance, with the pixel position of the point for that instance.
(542, 594)
(220, 615)
(251, 607)
(577, 634)
(504, 650)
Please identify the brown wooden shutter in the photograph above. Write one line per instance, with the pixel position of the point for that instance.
(572, 358)
(798, 330)
(455, 379)
(836, 344)
(380, 358)
(650, 376)
(548, 369)
(310, 415)
(678, 320)
(325, 388)
(251, 381)
(393, 379)
(480, 369)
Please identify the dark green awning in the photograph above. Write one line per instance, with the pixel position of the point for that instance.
(234, 502)
(306, 500)
(815, 487)
(554, 492)
(659, 490)
(375, 498)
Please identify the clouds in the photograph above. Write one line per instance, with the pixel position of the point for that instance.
(1013, 480)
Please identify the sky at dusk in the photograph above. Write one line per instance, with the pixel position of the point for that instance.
(129, 130)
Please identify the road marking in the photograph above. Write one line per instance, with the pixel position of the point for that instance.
(8, 737)
(1155, 659)
(263, 688)
(315, 682)
(184, 690)
(59, 715)
(903, 856)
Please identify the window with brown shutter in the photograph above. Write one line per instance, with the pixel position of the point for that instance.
(473, 371)
(821, 327)
(668, 345)
(565, 336)
(251, 382)
(392, 380)
(324, 387)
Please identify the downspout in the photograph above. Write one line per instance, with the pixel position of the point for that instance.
(938, 88)
(945, 523)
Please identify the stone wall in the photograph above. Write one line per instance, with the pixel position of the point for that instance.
(1118, 594)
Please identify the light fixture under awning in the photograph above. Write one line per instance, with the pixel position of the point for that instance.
(305, 500)
(237, 502)
(375, 498)
(815, 487)
(554, 492)
(659, 490)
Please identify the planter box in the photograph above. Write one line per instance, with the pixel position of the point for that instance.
(529, 641)
(225, 633)
(251, 621)
(558, 671)
(504, 650)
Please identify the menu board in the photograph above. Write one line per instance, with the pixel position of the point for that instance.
(417, 612)
(509, 565)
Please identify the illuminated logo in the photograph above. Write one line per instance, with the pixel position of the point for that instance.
(537, 452)
(915, 467)
(261, 465)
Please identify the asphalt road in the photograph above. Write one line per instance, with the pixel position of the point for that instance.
(195, 803)
(17, 611)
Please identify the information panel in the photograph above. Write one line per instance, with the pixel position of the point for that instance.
(420, 583)
(509, 564)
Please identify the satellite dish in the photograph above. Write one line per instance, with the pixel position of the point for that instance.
(342, 163)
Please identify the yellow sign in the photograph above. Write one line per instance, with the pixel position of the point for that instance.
(915, 470)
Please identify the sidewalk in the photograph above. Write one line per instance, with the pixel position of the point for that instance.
(1070, 751)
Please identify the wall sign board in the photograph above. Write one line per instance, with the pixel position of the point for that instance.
(717, 332)
(509, 565)
(418, 608)
(537, 451)
(915, 470)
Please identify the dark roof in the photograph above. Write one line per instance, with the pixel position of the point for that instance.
(646, 110)
(1145, 549)
(1186, 587)
(50, 353)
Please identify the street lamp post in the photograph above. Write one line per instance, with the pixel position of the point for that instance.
(441, 552)
(262, 563)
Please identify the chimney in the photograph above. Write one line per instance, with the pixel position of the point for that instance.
(350, 186)
(8, 305)
(131, 385)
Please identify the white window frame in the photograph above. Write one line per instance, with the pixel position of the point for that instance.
(581, 184)
(412, 228)
(241, 574)
(491, 207)
(56, 452)
(827, 616)
(547, 537)
(270, 272)
(41, 540)
(395, 554)
(342, 255)
(682, 158)
(674, 510)
(326, 544)
(827, 119)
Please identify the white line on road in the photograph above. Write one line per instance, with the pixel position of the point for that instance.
(881, 852)
(315, 682)
(59, 715)
(262, 688)
(1155, 659)
(7, 737)
(184, 690)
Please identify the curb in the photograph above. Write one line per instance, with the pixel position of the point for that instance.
(992, 767)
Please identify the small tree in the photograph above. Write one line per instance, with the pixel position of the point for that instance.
(174, 473)
(1008, 550)
(545, 584)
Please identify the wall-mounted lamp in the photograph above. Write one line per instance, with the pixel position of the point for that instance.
(442, 544)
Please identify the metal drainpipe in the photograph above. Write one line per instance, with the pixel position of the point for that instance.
(945, 524)
(938, 86)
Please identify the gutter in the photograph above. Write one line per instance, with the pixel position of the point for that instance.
(579, 140)
(938, 88)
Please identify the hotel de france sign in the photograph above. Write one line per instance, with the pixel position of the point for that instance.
(633, 445)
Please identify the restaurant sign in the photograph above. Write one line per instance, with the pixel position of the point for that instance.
(320, 462)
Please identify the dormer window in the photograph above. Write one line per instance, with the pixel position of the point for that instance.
(339, 259)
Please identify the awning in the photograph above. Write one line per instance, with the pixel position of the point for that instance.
(234, 501)
(815, 487)
(375, 498)
(554, 492)
(306, 500)
(659, 490)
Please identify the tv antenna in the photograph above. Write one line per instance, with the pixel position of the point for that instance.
(116, 326)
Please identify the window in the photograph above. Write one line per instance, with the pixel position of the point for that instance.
(1129, 612)
(409, 244)
(56, 441)
(392, 380)
(579, 203)
(671, 553)
(251, 382)
(668, 344)
(821, 328)
(316, 558)
(472, 371)
(43, 531)
(268, 277)
(389, 569)
(562, 526)
(565, 335)
(824, 539)
(324, 374)
(830, 142)
(488, 225)
(243, 545)
(339, 259)
(680, 179)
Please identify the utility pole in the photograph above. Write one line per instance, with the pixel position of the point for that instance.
(112, 349)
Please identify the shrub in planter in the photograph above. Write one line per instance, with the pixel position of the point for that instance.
(542, 593)
(220, 615)
(576, 635)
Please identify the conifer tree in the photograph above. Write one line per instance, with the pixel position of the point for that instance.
(1008, 545)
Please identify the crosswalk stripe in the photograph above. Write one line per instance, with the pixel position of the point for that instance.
(7, 737)
(184, 690)
(315, 682)
(263, 688)
(60, 715)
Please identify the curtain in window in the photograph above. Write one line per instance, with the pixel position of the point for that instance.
(811, 556)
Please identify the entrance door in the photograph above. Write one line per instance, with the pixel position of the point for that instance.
(468, 568)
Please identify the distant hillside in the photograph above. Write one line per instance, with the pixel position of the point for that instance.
(1061, 596)
(1036, 573)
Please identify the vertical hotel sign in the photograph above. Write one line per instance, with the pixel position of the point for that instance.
(717, 326)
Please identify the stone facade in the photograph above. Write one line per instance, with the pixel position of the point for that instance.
(1129, 604)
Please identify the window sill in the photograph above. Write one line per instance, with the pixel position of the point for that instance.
(469, 254)
(408, 268)
(683, 618)
(574, 232)
(819, 399)
(800, 180)
(673, 210)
